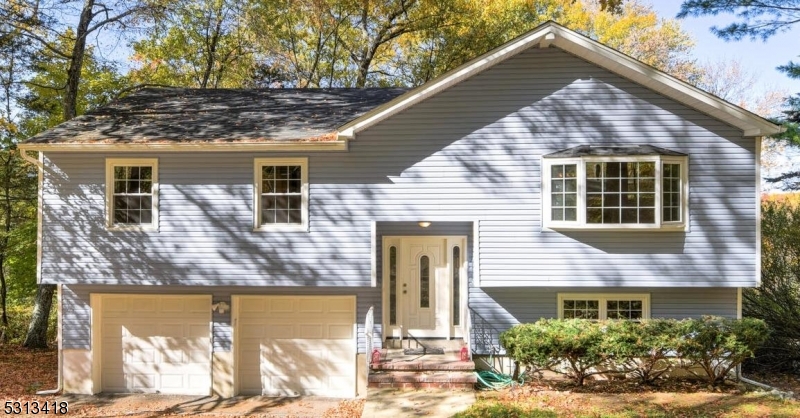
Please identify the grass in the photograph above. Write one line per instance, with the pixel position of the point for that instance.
(538, 402)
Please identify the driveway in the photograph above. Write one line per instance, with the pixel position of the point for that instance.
(153, 405)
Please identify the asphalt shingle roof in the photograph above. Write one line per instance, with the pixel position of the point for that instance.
(219, 115)
(612, 150)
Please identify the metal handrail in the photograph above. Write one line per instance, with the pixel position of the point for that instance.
(485, 335)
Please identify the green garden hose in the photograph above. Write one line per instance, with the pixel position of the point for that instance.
(495, 380)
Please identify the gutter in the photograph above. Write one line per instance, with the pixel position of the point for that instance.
(23, 152)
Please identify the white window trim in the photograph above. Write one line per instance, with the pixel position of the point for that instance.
(115, 162)
(580, 223)
(260, 162)
(602, 298)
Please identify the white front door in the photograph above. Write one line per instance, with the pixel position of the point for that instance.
(424, 286)
(424, 276)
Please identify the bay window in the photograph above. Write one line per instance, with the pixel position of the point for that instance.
(615, 188)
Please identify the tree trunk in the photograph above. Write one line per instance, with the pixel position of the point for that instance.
(37, 330)
(7, 214)
(76, 62)
(3, 295)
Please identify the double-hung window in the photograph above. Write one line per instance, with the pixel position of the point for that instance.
(617, 187)
(132, 193)
(281, 193)
(603, 306)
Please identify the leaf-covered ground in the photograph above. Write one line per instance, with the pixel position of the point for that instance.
(627, 399)
(24, 372)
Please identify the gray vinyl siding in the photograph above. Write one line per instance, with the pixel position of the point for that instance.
(470, 155)
(486, 137)
(493, 310)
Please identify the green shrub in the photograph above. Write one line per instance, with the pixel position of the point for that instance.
(571, 347)
(581, 348)
(717, 345)
(641, 349)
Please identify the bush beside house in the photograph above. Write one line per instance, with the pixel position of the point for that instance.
(709, 347)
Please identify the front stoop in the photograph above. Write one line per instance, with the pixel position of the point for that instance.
(423, 380)
(441, 371)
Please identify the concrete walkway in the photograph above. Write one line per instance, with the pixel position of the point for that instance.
(398, 403)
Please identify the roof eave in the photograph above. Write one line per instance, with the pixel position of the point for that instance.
(287, 146)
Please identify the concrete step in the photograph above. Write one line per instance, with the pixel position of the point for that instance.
(447, 345)
(454, 380)
(425, 363)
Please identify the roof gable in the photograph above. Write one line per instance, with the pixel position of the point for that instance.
(551, 34)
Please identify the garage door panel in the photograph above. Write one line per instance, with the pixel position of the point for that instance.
(251, 305)
(108, 330)
(196, 306)
(310, 306)
(310, 331)
(252, 331)
(172, 381)
(160, 351)
(340, 331)
(199, 355)
(142, 381)
(303, 349)
(115, 305)
(135, 354)
(175, 330)
(139, 330)
(277, 306)
(339, 306)
(277, 330)
(144, 305)
(176, 356)
(197, 330)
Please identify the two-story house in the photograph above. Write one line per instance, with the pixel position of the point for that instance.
(233, 241)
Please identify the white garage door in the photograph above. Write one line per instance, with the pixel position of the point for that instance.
(155, 344)
(296, 345)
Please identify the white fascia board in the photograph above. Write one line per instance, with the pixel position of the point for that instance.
(338, 145)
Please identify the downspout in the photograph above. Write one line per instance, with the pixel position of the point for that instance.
(741, 378)
(739, 315)
(36, 161)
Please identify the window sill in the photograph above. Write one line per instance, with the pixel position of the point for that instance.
(281, 228)
(129, 228)
(611, 228)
